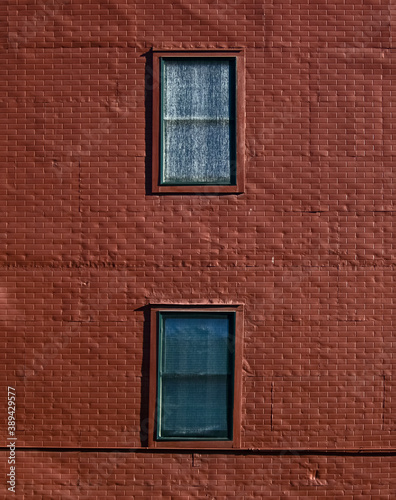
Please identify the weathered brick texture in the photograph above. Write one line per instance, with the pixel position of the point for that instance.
(308, 248)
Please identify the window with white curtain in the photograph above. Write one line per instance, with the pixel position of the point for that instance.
(198, 122)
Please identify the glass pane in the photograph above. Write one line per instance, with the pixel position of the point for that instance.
(194, 407)
(196, 375)
(198, 131)
(196, 88)
(195, 345)
(197, 152)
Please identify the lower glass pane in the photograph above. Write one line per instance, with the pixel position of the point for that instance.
(194, 407)
(197, 152)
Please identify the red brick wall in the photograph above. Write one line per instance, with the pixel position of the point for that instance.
(70, 475)
(308, 248)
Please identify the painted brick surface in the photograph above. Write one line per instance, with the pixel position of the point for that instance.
(70, 475)
(308, 248)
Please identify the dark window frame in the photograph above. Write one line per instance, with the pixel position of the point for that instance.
(238, 185)
(192, 443)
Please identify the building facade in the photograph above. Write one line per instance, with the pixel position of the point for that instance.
(145, 231)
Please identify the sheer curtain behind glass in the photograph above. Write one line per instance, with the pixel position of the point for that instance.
(197, 121)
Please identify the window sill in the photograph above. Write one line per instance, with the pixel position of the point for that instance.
(196, 189)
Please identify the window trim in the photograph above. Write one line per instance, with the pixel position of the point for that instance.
(155, 311)
(238, 187)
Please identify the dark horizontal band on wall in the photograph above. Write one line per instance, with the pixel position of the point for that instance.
(229, 451)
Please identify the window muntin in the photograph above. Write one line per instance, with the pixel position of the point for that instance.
(195, 376)
(198, 133)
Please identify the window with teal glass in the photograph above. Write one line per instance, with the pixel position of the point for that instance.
(195, 376)
(198, 132)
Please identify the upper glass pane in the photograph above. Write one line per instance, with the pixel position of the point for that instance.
(196, 88)
(198, 121)
(196, 345)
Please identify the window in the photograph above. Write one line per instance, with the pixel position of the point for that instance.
(198, 122)
(195, 392)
